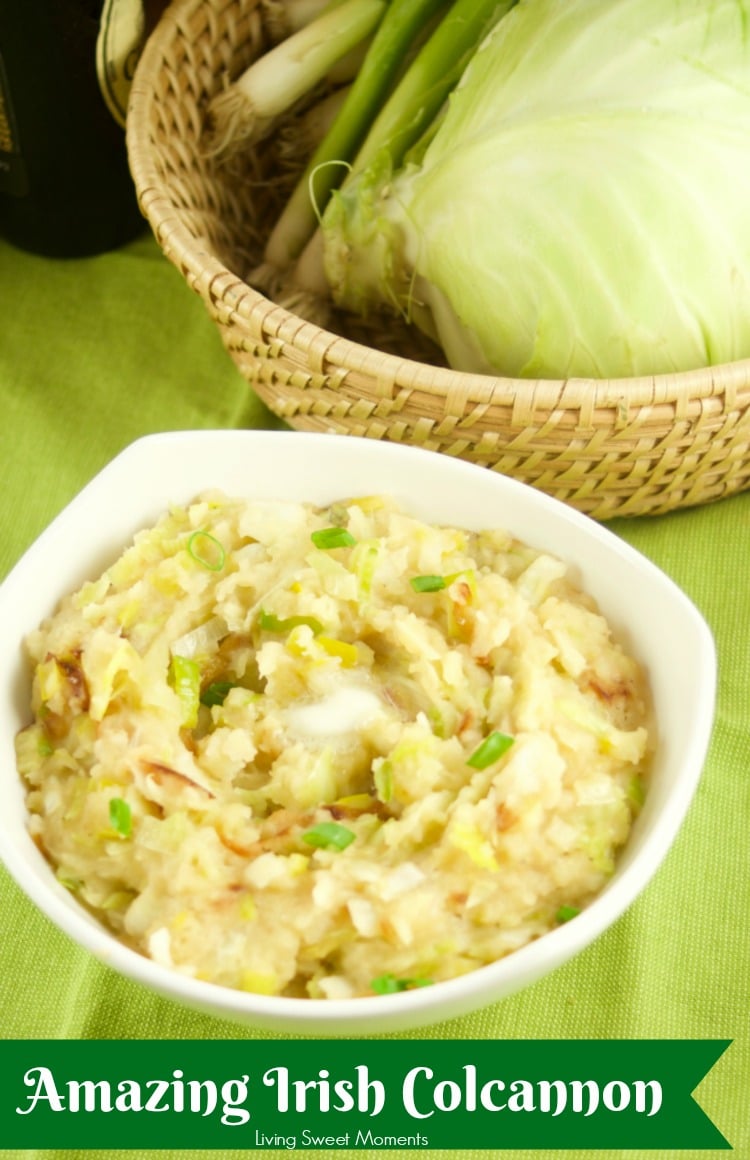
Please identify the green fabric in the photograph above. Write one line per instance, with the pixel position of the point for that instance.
(95, 353)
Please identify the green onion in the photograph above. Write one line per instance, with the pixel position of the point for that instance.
(206, 550)
(636, 791)
(346, 652)
(329, 836)
(390, 985)
(120, 817)
(67, 880)
(434, 72)
(246, 111)
(490, 750)
(428, 583)
(565, 913)
(45, 748)
(405, 119)
(185, 678)
(332, 538)
(270, 622)
(383, 778)
(118, 900)
(393, 38)
(216, 692)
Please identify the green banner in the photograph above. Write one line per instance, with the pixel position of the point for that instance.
(369, 1094)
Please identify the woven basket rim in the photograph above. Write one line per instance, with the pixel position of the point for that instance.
(213, 280)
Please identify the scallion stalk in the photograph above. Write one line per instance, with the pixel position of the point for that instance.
(185, 679)
(245, 111)
(281, 18)
(411, 109)
(216, 693)
(395, 34)
(435, 71)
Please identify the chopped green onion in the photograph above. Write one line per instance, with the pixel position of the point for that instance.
(185, 679)
(383, 778)
(390, 985)
(565, 913)
(490, 750)
(118, 900)
(45, 748)
(343, 649)
(68, 881)
(329, 836)
(206, 550)
(216, 692)
(120, 817)
(333, 538)
(428, 583)
(270, 622)
(636, 791)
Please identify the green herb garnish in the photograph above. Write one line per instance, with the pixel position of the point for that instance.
(45, 748)
(390, 985)
(68, 881)
(270, 622)
(332, 538)
(565, 913)
(329, 836)
(120, 817)
(383, 778)
(216, 693)
(490, 750)
(636, 791)
(428, 583)
(185, 678)
(206, 550)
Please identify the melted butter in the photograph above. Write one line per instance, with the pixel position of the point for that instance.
(345, 710)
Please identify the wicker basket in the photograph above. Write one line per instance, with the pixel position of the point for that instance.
(607, 447)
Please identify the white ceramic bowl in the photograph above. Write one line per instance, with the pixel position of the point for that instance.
(653, 617)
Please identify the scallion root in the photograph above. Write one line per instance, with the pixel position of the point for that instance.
(233, 122)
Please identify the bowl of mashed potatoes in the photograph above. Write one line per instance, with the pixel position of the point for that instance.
(332, 736)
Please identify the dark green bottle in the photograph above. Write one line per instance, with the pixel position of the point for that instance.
(65, 185)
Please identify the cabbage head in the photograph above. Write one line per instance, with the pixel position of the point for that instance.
(582, 205)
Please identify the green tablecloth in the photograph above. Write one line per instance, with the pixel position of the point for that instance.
(95, 353)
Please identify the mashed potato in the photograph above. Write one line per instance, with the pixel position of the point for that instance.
(331, 752)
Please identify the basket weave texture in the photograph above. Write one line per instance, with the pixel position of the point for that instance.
(607, 447)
